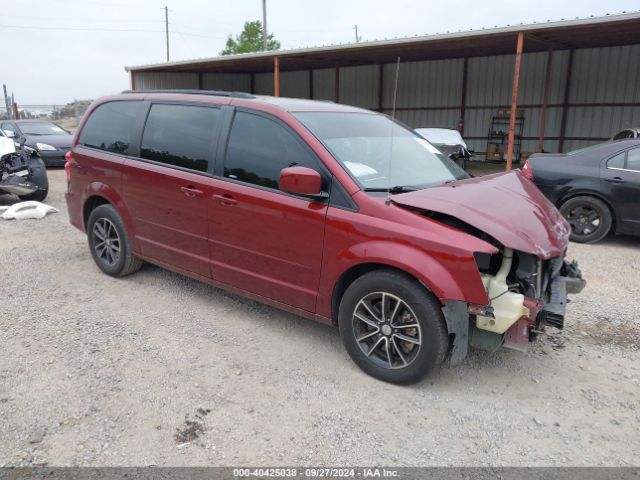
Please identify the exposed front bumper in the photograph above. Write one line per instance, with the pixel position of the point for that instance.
(53, 158)
(547, 307)
(568, 280)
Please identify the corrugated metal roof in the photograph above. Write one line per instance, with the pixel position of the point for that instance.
(608, 30)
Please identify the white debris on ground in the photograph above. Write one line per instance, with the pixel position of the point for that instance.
(26, 211)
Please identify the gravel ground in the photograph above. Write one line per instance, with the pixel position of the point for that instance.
(158, 369)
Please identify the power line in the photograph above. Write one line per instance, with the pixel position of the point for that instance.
(86, 29)
(110, 4)
(187, 44)
(79, 19)
(100, 29)
(203, 16)
(201, 35)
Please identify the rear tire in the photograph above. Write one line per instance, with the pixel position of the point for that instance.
(407, 342)
(589, 217)
(38, 195)
(109, 242)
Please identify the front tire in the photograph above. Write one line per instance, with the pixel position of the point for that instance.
(109, 242)
(37, 175)
(392, 327)
(589, 217)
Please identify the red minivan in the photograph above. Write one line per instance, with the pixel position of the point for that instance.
(332, 212)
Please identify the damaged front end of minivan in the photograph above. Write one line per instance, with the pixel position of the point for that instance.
(526, 295)
(527, 280)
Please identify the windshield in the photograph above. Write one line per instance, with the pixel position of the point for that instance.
(41, 129)
(378, 152)
(442, 136)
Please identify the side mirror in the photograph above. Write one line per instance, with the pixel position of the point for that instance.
(9, 133)
(302, 181)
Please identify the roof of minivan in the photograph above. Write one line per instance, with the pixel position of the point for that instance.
(301, 105)
(283, 103)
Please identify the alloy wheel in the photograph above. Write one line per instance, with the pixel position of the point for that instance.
(584, 220)
(386, 330)
(106, 241)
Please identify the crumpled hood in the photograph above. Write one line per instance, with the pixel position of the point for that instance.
(506, 206)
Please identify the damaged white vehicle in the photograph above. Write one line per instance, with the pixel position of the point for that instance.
(22, 171)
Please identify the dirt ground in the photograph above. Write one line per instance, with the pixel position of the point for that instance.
(158, 369)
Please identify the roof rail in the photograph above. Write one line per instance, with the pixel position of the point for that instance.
(217, 93)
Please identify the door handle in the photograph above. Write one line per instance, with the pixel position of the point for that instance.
(191, 192)
(615, 180)
(225, 199)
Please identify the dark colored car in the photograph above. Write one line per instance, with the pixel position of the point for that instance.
(51, 141)
(331, 212)
(597, 189)
(449, 141)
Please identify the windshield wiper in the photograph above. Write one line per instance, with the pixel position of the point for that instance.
(396, 189)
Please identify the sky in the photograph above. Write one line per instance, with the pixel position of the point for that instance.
(61, 50)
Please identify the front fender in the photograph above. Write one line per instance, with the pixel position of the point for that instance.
(427, 268)
(448, 276)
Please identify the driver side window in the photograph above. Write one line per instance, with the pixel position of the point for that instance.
(259, 148)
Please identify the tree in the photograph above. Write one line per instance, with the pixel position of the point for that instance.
(250, 40)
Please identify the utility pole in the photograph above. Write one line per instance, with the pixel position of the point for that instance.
(264, 25)
(16, 112)
(6, 101)
(357, 37)
(166, 28)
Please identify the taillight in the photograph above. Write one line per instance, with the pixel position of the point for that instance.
(67, 165)
(526, 170)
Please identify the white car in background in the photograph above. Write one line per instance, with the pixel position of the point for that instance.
(449, 142)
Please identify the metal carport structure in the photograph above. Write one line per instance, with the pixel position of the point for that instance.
(574, 81)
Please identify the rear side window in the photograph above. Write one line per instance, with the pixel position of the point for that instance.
(633, 159)
(259, 148)
(617, 161)
(110, 127)
(181, 135)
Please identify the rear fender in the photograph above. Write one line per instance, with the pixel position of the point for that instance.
(99, 189)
